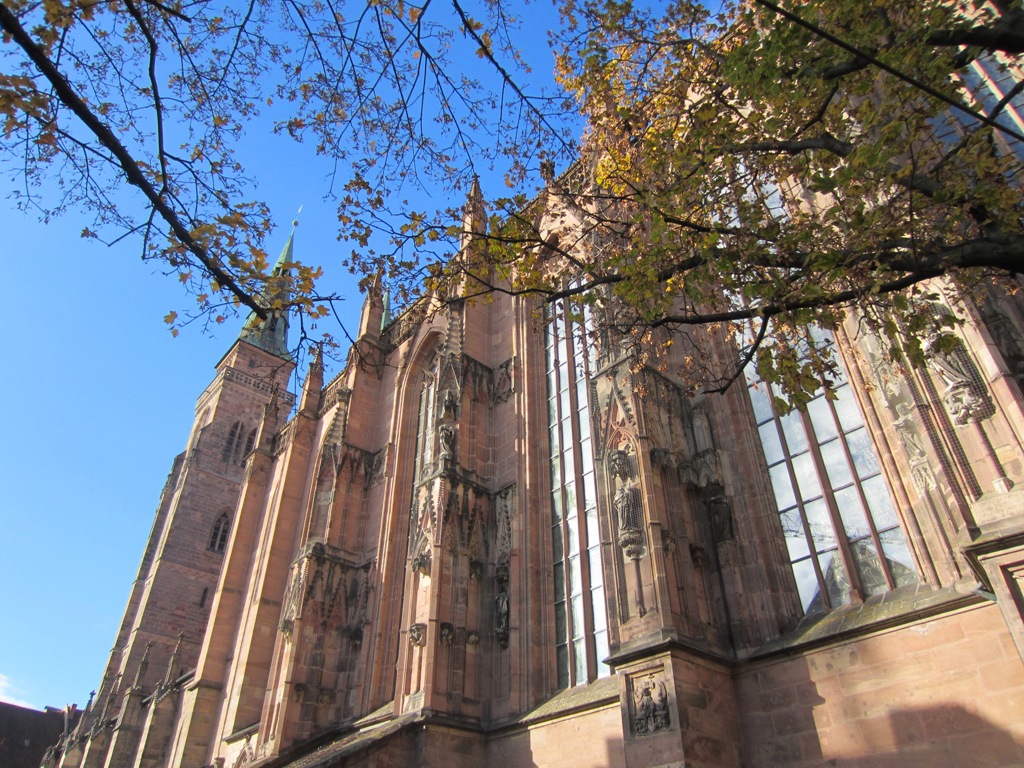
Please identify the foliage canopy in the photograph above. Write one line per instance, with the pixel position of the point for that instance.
(749, 168)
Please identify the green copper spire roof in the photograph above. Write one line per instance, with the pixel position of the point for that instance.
(271, 334)
(385, 318)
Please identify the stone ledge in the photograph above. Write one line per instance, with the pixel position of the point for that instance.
(572, 700)
(335, 749)
(889, 609)
(372, 730)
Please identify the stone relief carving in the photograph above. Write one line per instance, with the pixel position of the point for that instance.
(651, 712)
(447, 633)
(887, 382)
(965, 398)
(921, 474)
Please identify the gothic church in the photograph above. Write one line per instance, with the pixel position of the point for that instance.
(487, 542)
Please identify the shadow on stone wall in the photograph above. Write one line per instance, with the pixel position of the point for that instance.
(850, 710)
(944, 736)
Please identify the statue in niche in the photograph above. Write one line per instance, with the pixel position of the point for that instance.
(446, 436)
(720, 517)
(501, 618)
(651, 708)
(447, 633)
(626, 504)
(920, 471)
(450, 407)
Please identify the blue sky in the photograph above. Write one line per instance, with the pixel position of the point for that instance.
(100, 398)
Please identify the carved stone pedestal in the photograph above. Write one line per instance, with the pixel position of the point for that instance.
(678, 710)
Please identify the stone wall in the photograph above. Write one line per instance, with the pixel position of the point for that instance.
(939, 692)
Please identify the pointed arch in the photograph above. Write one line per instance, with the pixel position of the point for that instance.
(233, 442)
(219, 534)
(250, 442)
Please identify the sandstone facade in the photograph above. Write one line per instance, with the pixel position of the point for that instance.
(489, 542)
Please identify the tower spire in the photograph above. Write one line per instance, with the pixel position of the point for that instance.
(271, 334)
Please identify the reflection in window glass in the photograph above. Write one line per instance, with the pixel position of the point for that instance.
(581, 635)
(841, 508)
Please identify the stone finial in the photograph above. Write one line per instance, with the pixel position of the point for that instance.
(172, 663)
(373, 315)
(140, 673)
(474, 217)
(313, 384)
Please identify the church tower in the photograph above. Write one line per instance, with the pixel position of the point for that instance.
(162, 631)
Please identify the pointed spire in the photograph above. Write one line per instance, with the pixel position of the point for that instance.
(172, 665)
(474, 218)
(268, 426)
(271, 334)
(314, 383)
(371, 320)
(143, 666)
(111, 694)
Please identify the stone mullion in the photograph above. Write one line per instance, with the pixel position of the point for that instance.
(905, 508)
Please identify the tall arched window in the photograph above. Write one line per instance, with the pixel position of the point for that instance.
(581, 624)
(233, 442)
(238, 444)
(841, 526)
(425, 426)
(219, 536)
(250, 441)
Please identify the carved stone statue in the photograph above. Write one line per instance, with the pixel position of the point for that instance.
(418, 635)
(450, 408)
(501, 618)
(626, 505)
(421, 563)
(446, 436)
(720, 514)
(964, 396)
